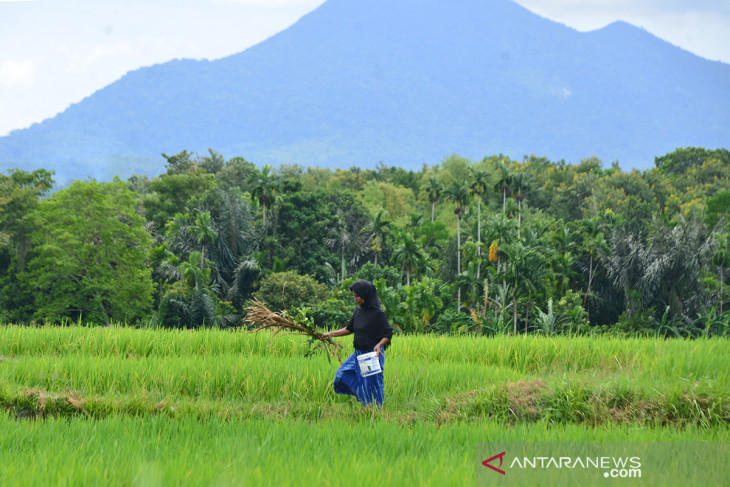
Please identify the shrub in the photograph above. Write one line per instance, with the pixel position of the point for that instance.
(290, 290)
(334, 312)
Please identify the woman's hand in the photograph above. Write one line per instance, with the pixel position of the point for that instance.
(326, 336)
(377, 348)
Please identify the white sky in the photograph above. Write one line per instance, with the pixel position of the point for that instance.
(56, 52)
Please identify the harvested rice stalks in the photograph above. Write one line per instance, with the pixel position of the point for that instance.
(298, 323)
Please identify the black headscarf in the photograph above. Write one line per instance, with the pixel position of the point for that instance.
(366, 290)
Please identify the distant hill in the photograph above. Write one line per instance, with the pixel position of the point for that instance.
(405, 82)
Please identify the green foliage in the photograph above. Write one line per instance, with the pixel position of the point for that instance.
(391, 276)
(413, 308)
(567, 317)
(408, 255)
(641, 323)
(173, 193)
(289, 290)
(334, 312)
(679, 161)
(306, 219)
(89, 256)
(191, 303)
(236, 175)
(454, 322)
(378, 232)
(423, 300)
(716, 208)
(598, 242)
(20, 192)
(399, 202)
(179, 163)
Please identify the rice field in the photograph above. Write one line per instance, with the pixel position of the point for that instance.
(121, 406)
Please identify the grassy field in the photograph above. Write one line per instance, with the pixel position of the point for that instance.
(118, 406)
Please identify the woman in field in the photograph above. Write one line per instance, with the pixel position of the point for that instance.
(372, 334)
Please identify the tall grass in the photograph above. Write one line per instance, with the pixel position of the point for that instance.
(424, 374)
(157, 450)
(119, 406)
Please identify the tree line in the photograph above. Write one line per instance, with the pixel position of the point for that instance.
(489, 246)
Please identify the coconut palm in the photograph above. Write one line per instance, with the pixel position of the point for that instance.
(378, 230)
(458, 192)
(233, 221)
(503, 183)
(519, 185)
(190, 304)
(499, 231)
(435, 190)
(409, 256)
(340, 238)
(204, 233)
(472, 284)
(527, 274)
(562, 257)
(478, 186)
(415, 220)
(264, 188)
(193, 273)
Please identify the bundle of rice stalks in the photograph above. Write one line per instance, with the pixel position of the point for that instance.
(297, 323)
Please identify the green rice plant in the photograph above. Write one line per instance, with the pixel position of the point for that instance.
(120, 406)
(208, 373)
(123, 450)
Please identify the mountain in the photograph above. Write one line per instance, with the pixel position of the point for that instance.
(405, 82)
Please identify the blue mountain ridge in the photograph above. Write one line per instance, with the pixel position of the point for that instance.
(405, 82)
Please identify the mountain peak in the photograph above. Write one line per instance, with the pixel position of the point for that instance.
(405, 82)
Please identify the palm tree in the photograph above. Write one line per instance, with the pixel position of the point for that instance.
(435, 190)
(379, 230)
(721, 260)
(264, 189)
(562, 259)
(415, 220)
(204, 232)
(626, 264)
(675, 257)
(341, 238)
(595, 245)
(408, 255)
(527, 273)
(478, 186)
(518, 185)
(194, 274)
(233, 221)
(165, 267)
(458, 192)
(503, 183)
(472, 284)
(246, 275)
(500, 232)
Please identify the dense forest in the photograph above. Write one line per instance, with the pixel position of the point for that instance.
(490, 246)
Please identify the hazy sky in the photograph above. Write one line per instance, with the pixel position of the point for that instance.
(56, 52)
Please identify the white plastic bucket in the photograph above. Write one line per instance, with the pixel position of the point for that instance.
(369, 364)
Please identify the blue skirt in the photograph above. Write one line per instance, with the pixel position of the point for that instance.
(348, 380)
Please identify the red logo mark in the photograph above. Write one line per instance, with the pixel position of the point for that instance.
(501, 459)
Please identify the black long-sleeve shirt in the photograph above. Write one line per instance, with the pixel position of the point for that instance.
(369, 325)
